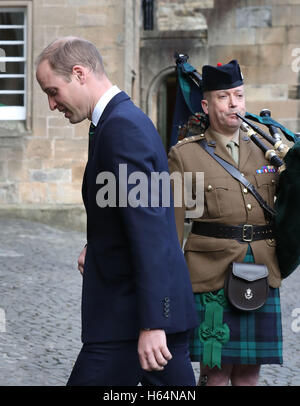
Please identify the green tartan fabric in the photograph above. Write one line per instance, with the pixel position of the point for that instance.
(255, 337)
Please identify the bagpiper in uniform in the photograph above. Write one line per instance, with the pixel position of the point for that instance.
(233, 228)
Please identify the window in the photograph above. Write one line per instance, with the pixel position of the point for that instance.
(148, 10)
(13, 63)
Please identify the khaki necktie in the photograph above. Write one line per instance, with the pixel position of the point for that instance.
(234, 149)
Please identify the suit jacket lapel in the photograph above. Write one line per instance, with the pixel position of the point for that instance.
(107, 111)
(118, 98)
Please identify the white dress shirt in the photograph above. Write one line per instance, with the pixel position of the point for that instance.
(103, 102)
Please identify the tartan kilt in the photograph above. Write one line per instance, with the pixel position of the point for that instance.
(255, 336)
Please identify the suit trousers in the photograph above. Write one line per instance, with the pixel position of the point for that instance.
(117, 364)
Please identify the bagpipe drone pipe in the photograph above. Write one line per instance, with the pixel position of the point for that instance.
(189, 119)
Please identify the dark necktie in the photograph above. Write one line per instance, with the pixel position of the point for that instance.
(91, 139)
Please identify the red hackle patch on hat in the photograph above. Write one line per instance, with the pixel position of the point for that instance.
(219, 64)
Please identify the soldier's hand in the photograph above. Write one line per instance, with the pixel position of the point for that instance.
(81, 260)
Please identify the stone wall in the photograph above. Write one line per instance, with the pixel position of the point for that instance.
(157, 60)
(179, 26)
(262, 35)
(185, 15)
(43, 164)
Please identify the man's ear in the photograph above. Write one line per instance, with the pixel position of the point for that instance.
(80, 73)
(204, 104)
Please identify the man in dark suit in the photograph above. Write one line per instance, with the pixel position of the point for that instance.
(137, 302)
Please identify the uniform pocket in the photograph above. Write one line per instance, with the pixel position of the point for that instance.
(266, 186)
(217, 198)
(206, 258)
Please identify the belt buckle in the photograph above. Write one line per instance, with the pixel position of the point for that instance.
(246, 228)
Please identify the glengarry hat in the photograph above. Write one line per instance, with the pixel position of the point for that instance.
(221, 77)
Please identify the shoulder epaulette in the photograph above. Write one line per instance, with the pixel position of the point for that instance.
(191, 138)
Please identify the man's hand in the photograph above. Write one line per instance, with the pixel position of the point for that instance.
(152, 349)
(81, 260)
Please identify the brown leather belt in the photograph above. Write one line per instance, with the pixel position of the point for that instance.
(243, 233)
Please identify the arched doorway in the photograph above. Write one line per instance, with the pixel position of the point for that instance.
(161, 102)
(165, 108)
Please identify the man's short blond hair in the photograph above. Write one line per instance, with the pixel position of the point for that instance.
(64, 53)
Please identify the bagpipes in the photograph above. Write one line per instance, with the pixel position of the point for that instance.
(189, 119)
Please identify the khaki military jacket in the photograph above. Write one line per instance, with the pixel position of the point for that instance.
(226, 201)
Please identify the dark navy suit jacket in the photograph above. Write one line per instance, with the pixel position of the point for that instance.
(135, 275)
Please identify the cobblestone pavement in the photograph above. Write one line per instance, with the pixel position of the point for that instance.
(40, 294)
